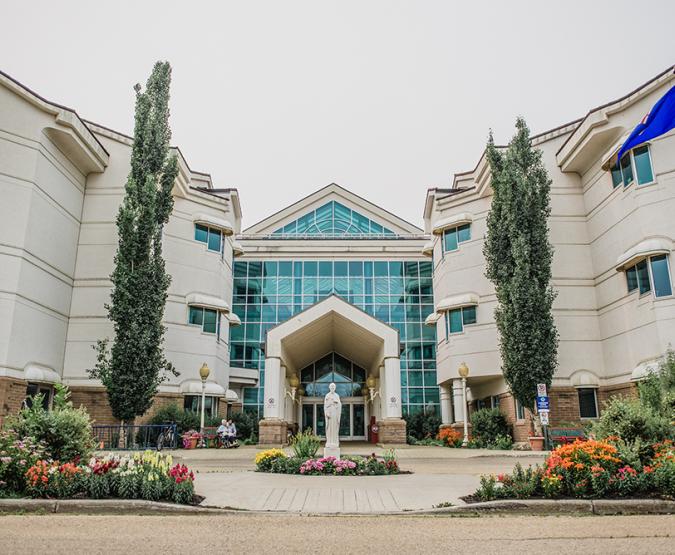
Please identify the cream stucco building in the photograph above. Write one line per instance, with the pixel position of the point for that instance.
(333, 287)
(613, 229)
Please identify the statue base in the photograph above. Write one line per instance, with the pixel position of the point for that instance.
(331, 452)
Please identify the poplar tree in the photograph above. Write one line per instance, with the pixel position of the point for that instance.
(132, 366)
(518, 257)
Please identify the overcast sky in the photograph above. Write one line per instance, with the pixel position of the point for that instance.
(385, 98)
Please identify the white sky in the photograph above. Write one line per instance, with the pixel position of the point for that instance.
(385, 98)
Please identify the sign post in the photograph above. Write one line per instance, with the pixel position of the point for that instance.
(543, 407)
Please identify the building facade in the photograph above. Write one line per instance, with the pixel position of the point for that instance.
(62, 181)
(612, 229)
(333, 288)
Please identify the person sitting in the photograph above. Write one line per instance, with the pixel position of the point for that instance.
(232, 433)
(223, 432)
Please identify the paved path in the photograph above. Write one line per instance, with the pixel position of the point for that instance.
(333, 494)
(255, 533)
(440, 476)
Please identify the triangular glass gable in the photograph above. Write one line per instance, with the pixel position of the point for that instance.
(332, 220)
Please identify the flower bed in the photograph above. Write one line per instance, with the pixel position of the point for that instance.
(276, 461)
(590, 469)
(148, 475)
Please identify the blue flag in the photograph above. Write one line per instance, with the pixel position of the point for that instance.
(659, 120)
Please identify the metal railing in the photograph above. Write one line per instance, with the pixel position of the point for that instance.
(130, 437)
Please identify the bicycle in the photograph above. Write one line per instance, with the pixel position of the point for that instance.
(166, 437)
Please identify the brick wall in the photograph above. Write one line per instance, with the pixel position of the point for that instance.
(12, 394)
(621, 390)
(95, 400)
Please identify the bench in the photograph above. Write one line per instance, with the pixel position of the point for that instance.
(560, 436)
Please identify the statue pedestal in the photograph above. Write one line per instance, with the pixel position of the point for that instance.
(331, 452)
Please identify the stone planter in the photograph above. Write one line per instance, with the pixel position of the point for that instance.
(536, 443)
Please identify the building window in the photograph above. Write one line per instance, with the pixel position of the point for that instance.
(454, 236)
(193, 403)
(208, 319)
(455, 320)
(333, 219)
(588, 402)
(34, 389)
(638, 163)
(650, 273)
(494, 401)
(520, 411)
(213, 238)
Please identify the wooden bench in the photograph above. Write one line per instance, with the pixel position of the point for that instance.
(560, 436)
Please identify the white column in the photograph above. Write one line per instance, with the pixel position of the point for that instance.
(458, 400)
(446, 404)
(392, 387)
(275, 381)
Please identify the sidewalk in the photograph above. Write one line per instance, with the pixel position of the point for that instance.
(226, 478)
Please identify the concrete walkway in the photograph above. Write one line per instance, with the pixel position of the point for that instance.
(226, 478)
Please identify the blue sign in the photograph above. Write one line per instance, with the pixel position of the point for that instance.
(542, 403)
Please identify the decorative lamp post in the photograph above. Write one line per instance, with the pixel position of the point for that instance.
(463, 371)
(204, 372)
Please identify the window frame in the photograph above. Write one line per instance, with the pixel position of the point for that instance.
(211, 411)
(647, 260)
(455, 230)
(460, 309)
(209, 231)
(633, 168)
(520, 410)
(595, 399)
(201, 325)
(46, 389)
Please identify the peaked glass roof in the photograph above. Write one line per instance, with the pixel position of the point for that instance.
(332, 220)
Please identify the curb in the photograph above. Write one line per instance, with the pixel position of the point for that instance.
(103, 506)
(563, 506)
(603, 507)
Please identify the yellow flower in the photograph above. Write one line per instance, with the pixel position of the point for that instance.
(269, 454)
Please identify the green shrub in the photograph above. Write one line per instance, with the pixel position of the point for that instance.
(305, 444)
(631, 420)
(657, 390)
(488, 426)
(423, 425)
(64, 431)
(247, 426)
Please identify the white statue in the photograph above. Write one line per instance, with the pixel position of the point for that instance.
(332, 410)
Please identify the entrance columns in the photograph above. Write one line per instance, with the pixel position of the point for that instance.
(392, 388)
(273, 429)
(446, 404)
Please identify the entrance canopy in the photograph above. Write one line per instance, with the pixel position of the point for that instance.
(331, 326)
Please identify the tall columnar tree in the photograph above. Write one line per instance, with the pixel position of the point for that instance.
(518, 255)
(134, 365)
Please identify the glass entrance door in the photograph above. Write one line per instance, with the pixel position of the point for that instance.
(352, 419)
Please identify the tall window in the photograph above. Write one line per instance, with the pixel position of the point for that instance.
(638, 163)
(397, 292)
(34, 389)
(588, 402)
(455, 320)
(212, 237)
(652, 273)
(207, 318)
(193, 403)
(454, 236)
(520, 411)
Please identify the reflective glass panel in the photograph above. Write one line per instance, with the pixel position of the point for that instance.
(643, 165)
(661, 276)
